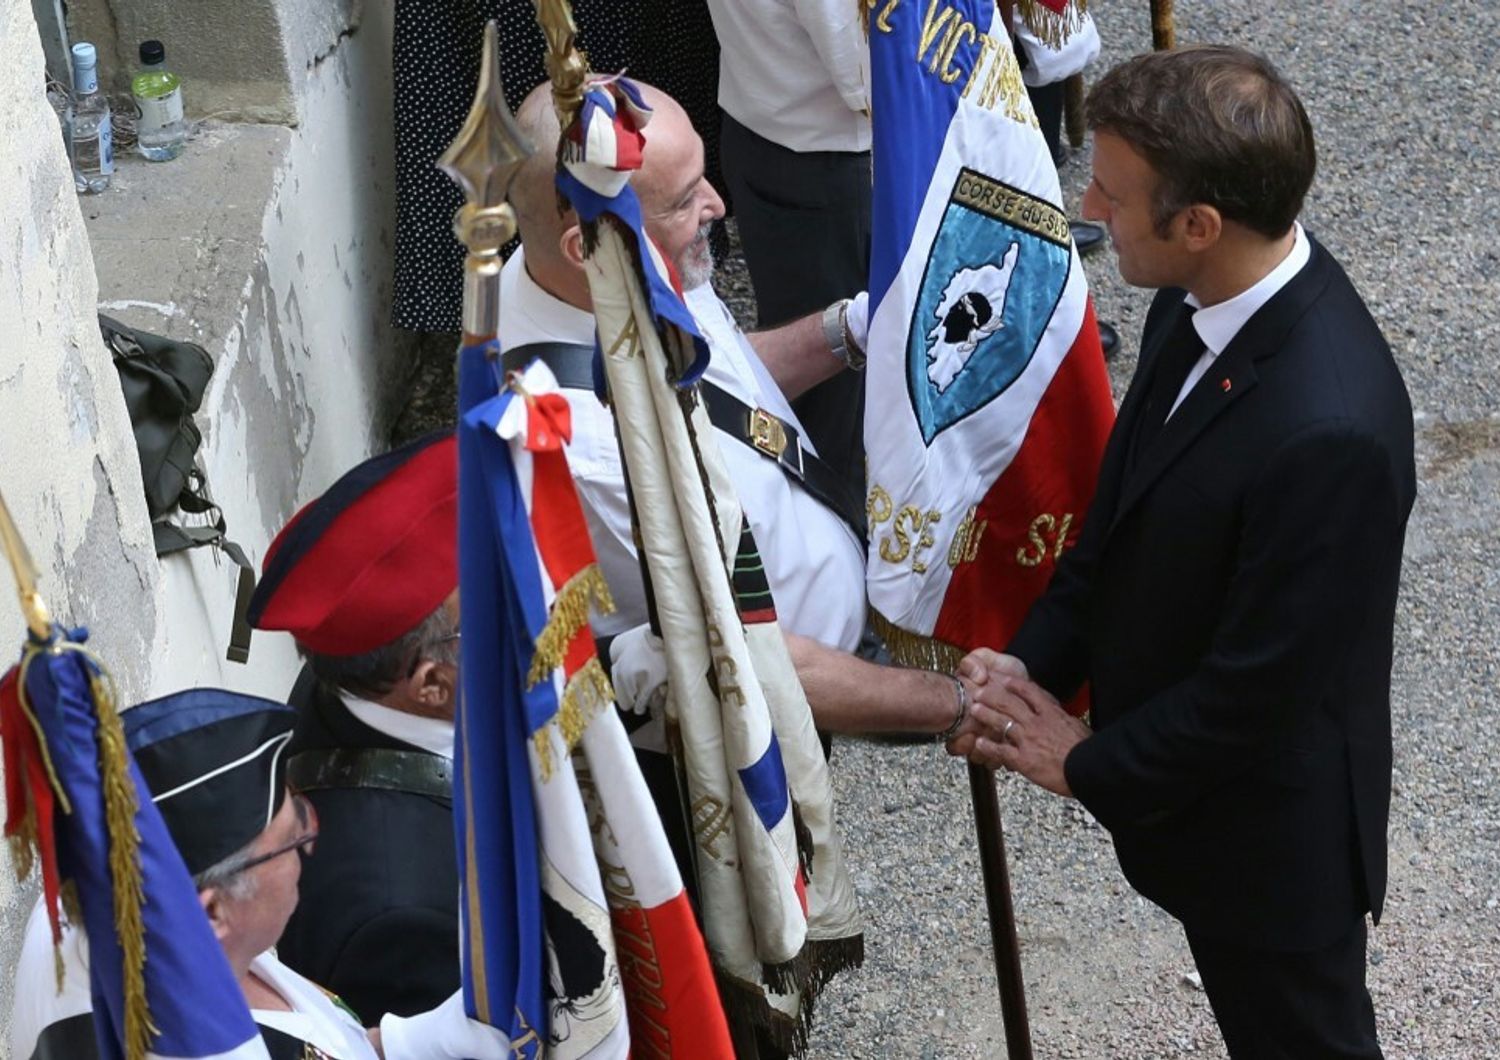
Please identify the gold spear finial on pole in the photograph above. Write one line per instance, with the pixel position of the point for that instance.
(567, 66)
(32, 606)
(483, 160)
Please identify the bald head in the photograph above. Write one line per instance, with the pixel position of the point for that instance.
(677, 204)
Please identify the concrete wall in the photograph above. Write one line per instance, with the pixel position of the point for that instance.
(269, 244)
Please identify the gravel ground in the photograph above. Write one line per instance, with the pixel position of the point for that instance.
(1406, 105)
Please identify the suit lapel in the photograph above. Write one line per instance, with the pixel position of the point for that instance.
(1231, 376)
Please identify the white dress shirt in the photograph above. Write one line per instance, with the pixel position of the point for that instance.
(429, 734)
(1217, 325)
(795, 71)
(814, 563)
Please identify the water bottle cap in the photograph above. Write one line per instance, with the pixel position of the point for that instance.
(84, 55)
(152, 52)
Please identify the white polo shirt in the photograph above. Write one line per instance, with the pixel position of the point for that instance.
(795, 71)
(814, 563)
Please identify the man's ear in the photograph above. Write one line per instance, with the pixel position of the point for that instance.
(570, 245)
(431, 685)
(1202, 225)
(217, 911)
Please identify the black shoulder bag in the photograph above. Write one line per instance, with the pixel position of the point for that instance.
(164, 381)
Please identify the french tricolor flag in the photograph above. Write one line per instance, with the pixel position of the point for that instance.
(628, 968)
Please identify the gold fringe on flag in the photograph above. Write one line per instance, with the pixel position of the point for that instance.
(587, 693)
(914, 650)
(1051, 28)
(570, 613)
(120, 808)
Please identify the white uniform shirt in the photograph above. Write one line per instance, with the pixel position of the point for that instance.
(1217, 325)
(814, 563)
(795, 71)
(37, 1004)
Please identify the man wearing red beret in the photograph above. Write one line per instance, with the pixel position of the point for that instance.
(365, 579)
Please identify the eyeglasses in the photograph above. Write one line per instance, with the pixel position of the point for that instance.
(307, 818)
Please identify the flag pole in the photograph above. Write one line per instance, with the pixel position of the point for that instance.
(997, 896)
(1163, 30)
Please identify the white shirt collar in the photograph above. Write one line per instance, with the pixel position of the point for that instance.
(532, 314)
(1217, 325)
(430, 734)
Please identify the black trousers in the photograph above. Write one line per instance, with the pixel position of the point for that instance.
(1290, 1006)
(804, 223)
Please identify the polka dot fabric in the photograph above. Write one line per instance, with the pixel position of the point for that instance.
(435, 61)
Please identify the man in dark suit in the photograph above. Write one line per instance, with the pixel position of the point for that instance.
(1231, 597)
(365, 579)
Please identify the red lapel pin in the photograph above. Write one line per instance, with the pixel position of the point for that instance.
(1225, 384)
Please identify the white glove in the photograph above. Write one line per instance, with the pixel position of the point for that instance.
(857, 320)
(443, 1033)
(638, 670)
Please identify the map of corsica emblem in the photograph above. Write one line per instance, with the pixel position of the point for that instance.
(997, 269)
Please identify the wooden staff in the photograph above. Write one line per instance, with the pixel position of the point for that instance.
(1163, 31)
(1003, 938)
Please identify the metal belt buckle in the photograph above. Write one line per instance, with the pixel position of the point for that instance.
(767, 433)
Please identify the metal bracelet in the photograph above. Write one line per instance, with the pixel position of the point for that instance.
(963, 710)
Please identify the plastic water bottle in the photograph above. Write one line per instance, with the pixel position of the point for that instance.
(89, 128)
(161, 131)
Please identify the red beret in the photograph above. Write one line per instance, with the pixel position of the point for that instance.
(371, 558)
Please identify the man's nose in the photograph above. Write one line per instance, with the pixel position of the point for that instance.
(714, 206)
(1093, 206)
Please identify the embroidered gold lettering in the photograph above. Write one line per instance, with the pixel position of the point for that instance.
(710, 822)
(931, 29)
(879, 507)
(924, 541)
(952, 73)
(1042, 524)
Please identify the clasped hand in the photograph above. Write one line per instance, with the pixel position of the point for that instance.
(1014, 723)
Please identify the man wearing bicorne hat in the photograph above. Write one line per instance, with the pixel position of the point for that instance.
(215, 764)
(365, 579)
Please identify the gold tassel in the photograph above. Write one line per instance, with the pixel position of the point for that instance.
(914, 650)
(570, 613)
(1051, 28)
(120, 808)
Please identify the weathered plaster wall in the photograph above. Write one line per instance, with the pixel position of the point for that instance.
(67, 461)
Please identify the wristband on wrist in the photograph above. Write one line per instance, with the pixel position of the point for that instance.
(961, 716)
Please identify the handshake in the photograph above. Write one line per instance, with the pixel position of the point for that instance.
(1013, 722)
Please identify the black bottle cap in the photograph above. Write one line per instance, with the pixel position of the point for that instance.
(152, 52)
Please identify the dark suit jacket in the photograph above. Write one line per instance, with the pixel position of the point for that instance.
(1231, 600)
(377, 917)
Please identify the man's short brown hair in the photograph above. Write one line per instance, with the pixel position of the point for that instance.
(1220, 126)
